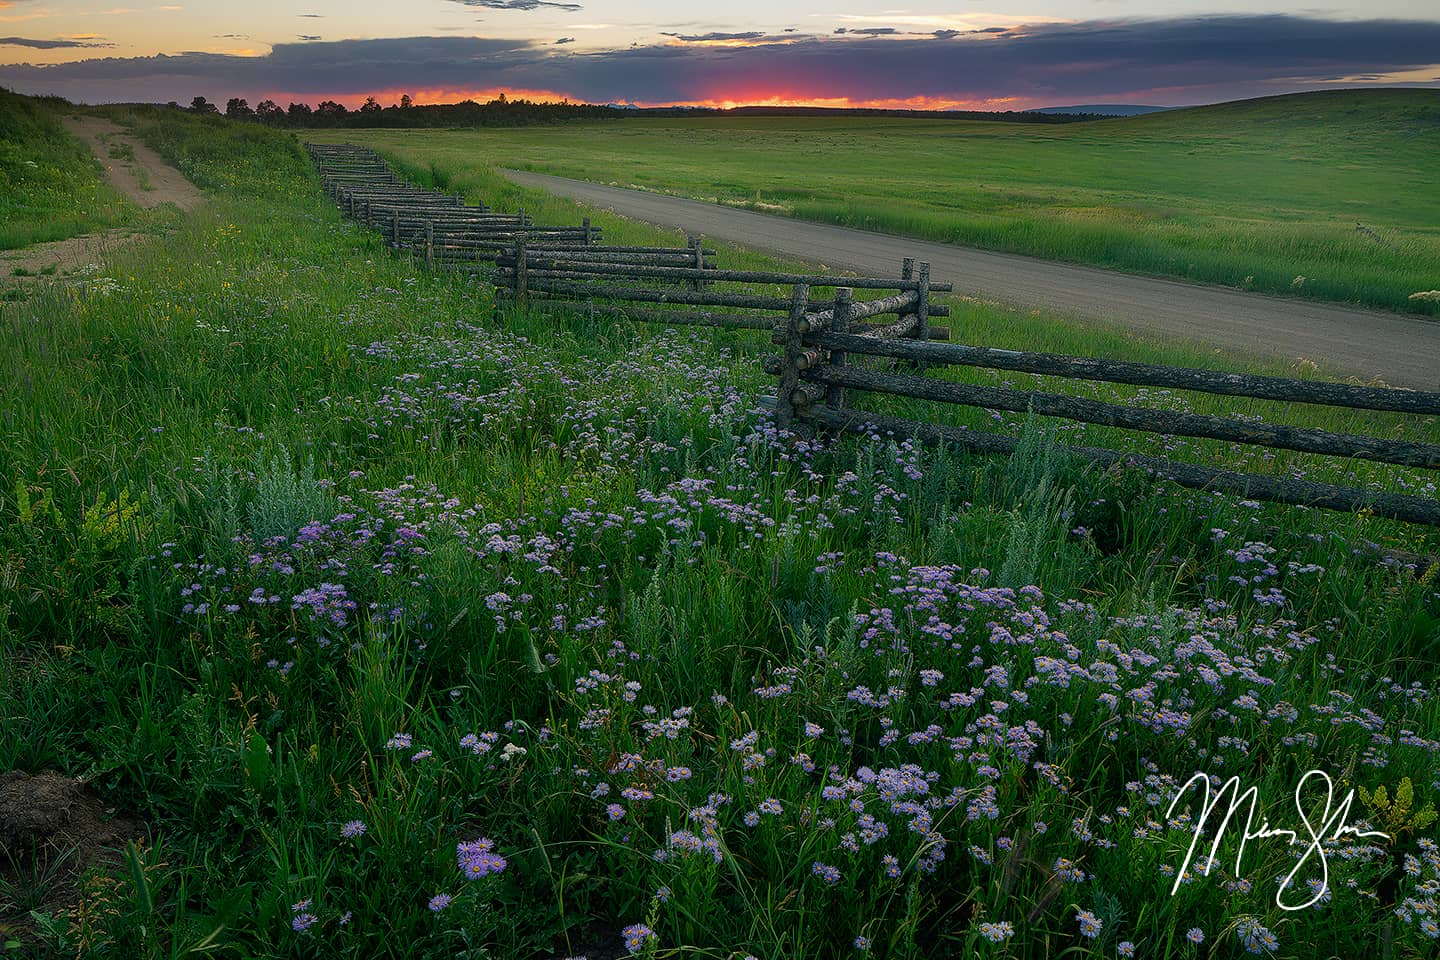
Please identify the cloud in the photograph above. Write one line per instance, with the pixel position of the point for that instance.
(564, 40)
(49, 44)
(1162, 61)
(307, 37)
(715, 37)
(517, 4)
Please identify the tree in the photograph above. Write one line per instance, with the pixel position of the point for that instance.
(299, 113)
(370, 106)
(268, 111)
(237, 109)
(201, 105)
(330, 110)
(405, 102)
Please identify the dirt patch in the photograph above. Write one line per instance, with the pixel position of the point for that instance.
(62, 257)
(133, 168)
(53, 829)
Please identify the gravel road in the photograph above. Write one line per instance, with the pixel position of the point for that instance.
(1373, 345)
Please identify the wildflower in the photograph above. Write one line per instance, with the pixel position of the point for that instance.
(1255, 937)
(439, 902)
(422, 755)
(1195, 935)
(829, 874)
(862, 944)
(662, 894)
(302, 922)
(1125, 948)
(351, 829)
(401, 741)
(1089, 923)
(636, 936)
(997, 932)
(478, 858)
(615, 811)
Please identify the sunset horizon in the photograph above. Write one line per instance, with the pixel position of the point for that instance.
(1017, 56)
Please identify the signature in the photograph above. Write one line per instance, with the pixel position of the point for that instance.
(1332, 825)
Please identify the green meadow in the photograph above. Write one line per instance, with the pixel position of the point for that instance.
(1264, 195)
(390, 626)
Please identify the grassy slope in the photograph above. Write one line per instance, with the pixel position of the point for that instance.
(1253, 194)
(51, 186)
(212, 379)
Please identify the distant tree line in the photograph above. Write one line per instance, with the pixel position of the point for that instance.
(500, 112)
(504, 112)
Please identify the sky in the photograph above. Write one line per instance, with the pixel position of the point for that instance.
(961, 54)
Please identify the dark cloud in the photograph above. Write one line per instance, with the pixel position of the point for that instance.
(945, 34)
(712, 37)
(518, 4)
(564, 40)
(868, 31)
(50, 44)
(1161, 61)
(313, 16)
(309, 37)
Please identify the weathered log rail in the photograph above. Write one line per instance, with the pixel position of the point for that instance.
(568, 267)
(812, 389)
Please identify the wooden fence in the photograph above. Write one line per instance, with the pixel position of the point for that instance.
(814, 375)
(820, 337)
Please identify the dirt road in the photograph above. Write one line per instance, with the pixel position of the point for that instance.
(1369, 344)
(133, 168)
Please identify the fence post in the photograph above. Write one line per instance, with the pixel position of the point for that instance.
(922, 305)
(586, 224)
(698, 253)
(907, 268)
(835, 395)
(430, 243)
(521, 278)
(790, 364)
(395, 229)
(369, 220)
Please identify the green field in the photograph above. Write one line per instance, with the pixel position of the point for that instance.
(322, 573)
(51, 186)
(1256, 194)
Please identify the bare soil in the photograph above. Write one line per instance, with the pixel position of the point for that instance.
(63, 256)
(53, 829)
(147, 179)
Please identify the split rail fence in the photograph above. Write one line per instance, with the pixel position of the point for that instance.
(823, 336)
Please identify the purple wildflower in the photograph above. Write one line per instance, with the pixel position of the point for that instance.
(636, 936)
